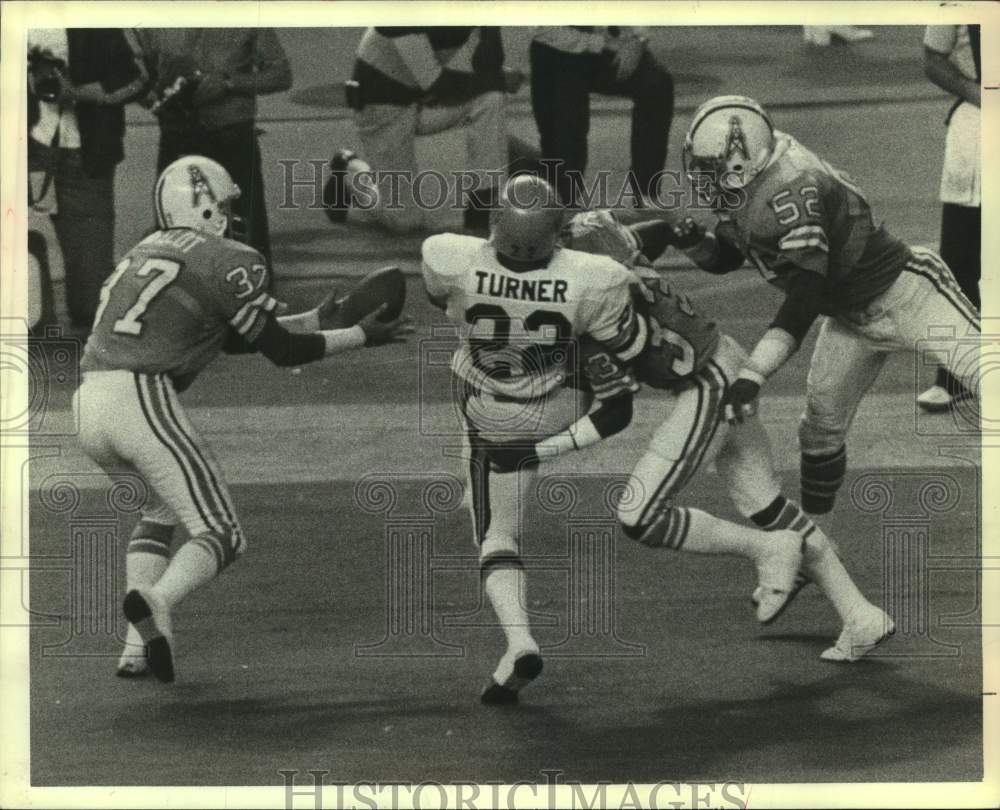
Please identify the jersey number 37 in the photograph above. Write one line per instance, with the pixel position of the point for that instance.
(160, 274)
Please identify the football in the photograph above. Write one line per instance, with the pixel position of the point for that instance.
(386, 285)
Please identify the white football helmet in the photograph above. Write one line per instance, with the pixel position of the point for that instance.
(195, 192)
(729, 142)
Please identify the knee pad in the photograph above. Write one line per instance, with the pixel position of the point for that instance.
(150, 537)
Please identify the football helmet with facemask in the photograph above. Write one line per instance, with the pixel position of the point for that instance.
(196, 192)
(729, 142)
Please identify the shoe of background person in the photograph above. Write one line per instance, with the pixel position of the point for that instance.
(515, 671)
(816, 35)
(152, 619)
(823, 35)
(777, 570)
(868, 627)
(937, 399)
(851, 33)
(336, 196)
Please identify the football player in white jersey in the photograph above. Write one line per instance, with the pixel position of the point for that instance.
(525, 306)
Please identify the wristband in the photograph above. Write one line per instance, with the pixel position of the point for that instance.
(338, 340)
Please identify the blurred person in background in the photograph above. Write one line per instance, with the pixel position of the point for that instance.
(824, 35)
(205, 83)
(79, 80)
(570, 62)
(424, 80)
(952, 61)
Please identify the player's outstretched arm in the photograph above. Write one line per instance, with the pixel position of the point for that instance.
(284, 348)
(796, 315)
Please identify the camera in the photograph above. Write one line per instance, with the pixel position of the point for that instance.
(177, 98)
(45, 73)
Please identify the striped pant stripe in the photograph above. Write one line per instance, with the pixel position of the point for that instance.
(930, 266)
(144, 397)
(479, 482)
(215, 485)
(711, 385)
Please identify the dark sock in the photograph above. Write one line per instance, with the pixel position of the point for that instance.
(820, 477)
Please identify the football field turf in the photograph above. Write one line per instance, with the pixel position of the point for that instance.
(351, 637)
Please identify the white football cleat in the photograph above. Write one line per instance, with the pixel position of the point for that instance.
(851, 33)
(132, 663)
(144, 609)
(777, 569)
(867, 627)
(516, 669)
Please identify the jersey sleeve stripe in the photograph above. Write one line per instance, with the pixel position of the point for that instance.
(247, 314)
(804, 244)
(635, 342)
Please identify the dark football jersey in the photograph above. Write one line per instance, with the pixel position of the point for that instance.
(803, 215)
(681, 340)
(169, 303)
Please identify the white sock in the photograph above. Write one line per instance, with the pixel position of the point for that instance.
(507, 589)
(143, 569)
(826, 568)
(703, 533)
(192, 566)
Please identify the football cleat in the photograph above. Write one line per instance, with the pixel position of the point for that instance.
(867, 627)
(386, 285)
(152, 619)
(777, 569)
(515, 671)
(132, 663)
(801, 581)
(336, 195)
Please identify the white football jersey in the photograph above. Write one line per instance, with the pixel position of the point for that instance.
(519, 327)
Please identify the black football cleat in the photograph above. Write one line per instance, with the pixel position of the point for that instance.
(336, 196)
(152, 620)
(503, 691)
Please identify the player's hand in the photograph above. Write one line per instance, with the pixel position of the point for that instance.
(511, 456)
(211, 88)
(327, 310)
(740, 402)
(378, 333)
(686, 234)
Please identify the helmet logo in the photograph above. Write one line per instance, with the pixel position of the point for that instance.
(199, 186)
(736, 141)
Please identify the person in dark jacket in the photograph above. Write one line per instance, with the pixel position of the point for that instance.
(79, 80)
(570, 62)
(205, 83)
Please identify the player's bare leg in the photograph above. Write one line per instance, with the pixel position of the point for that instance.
(496, 501)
